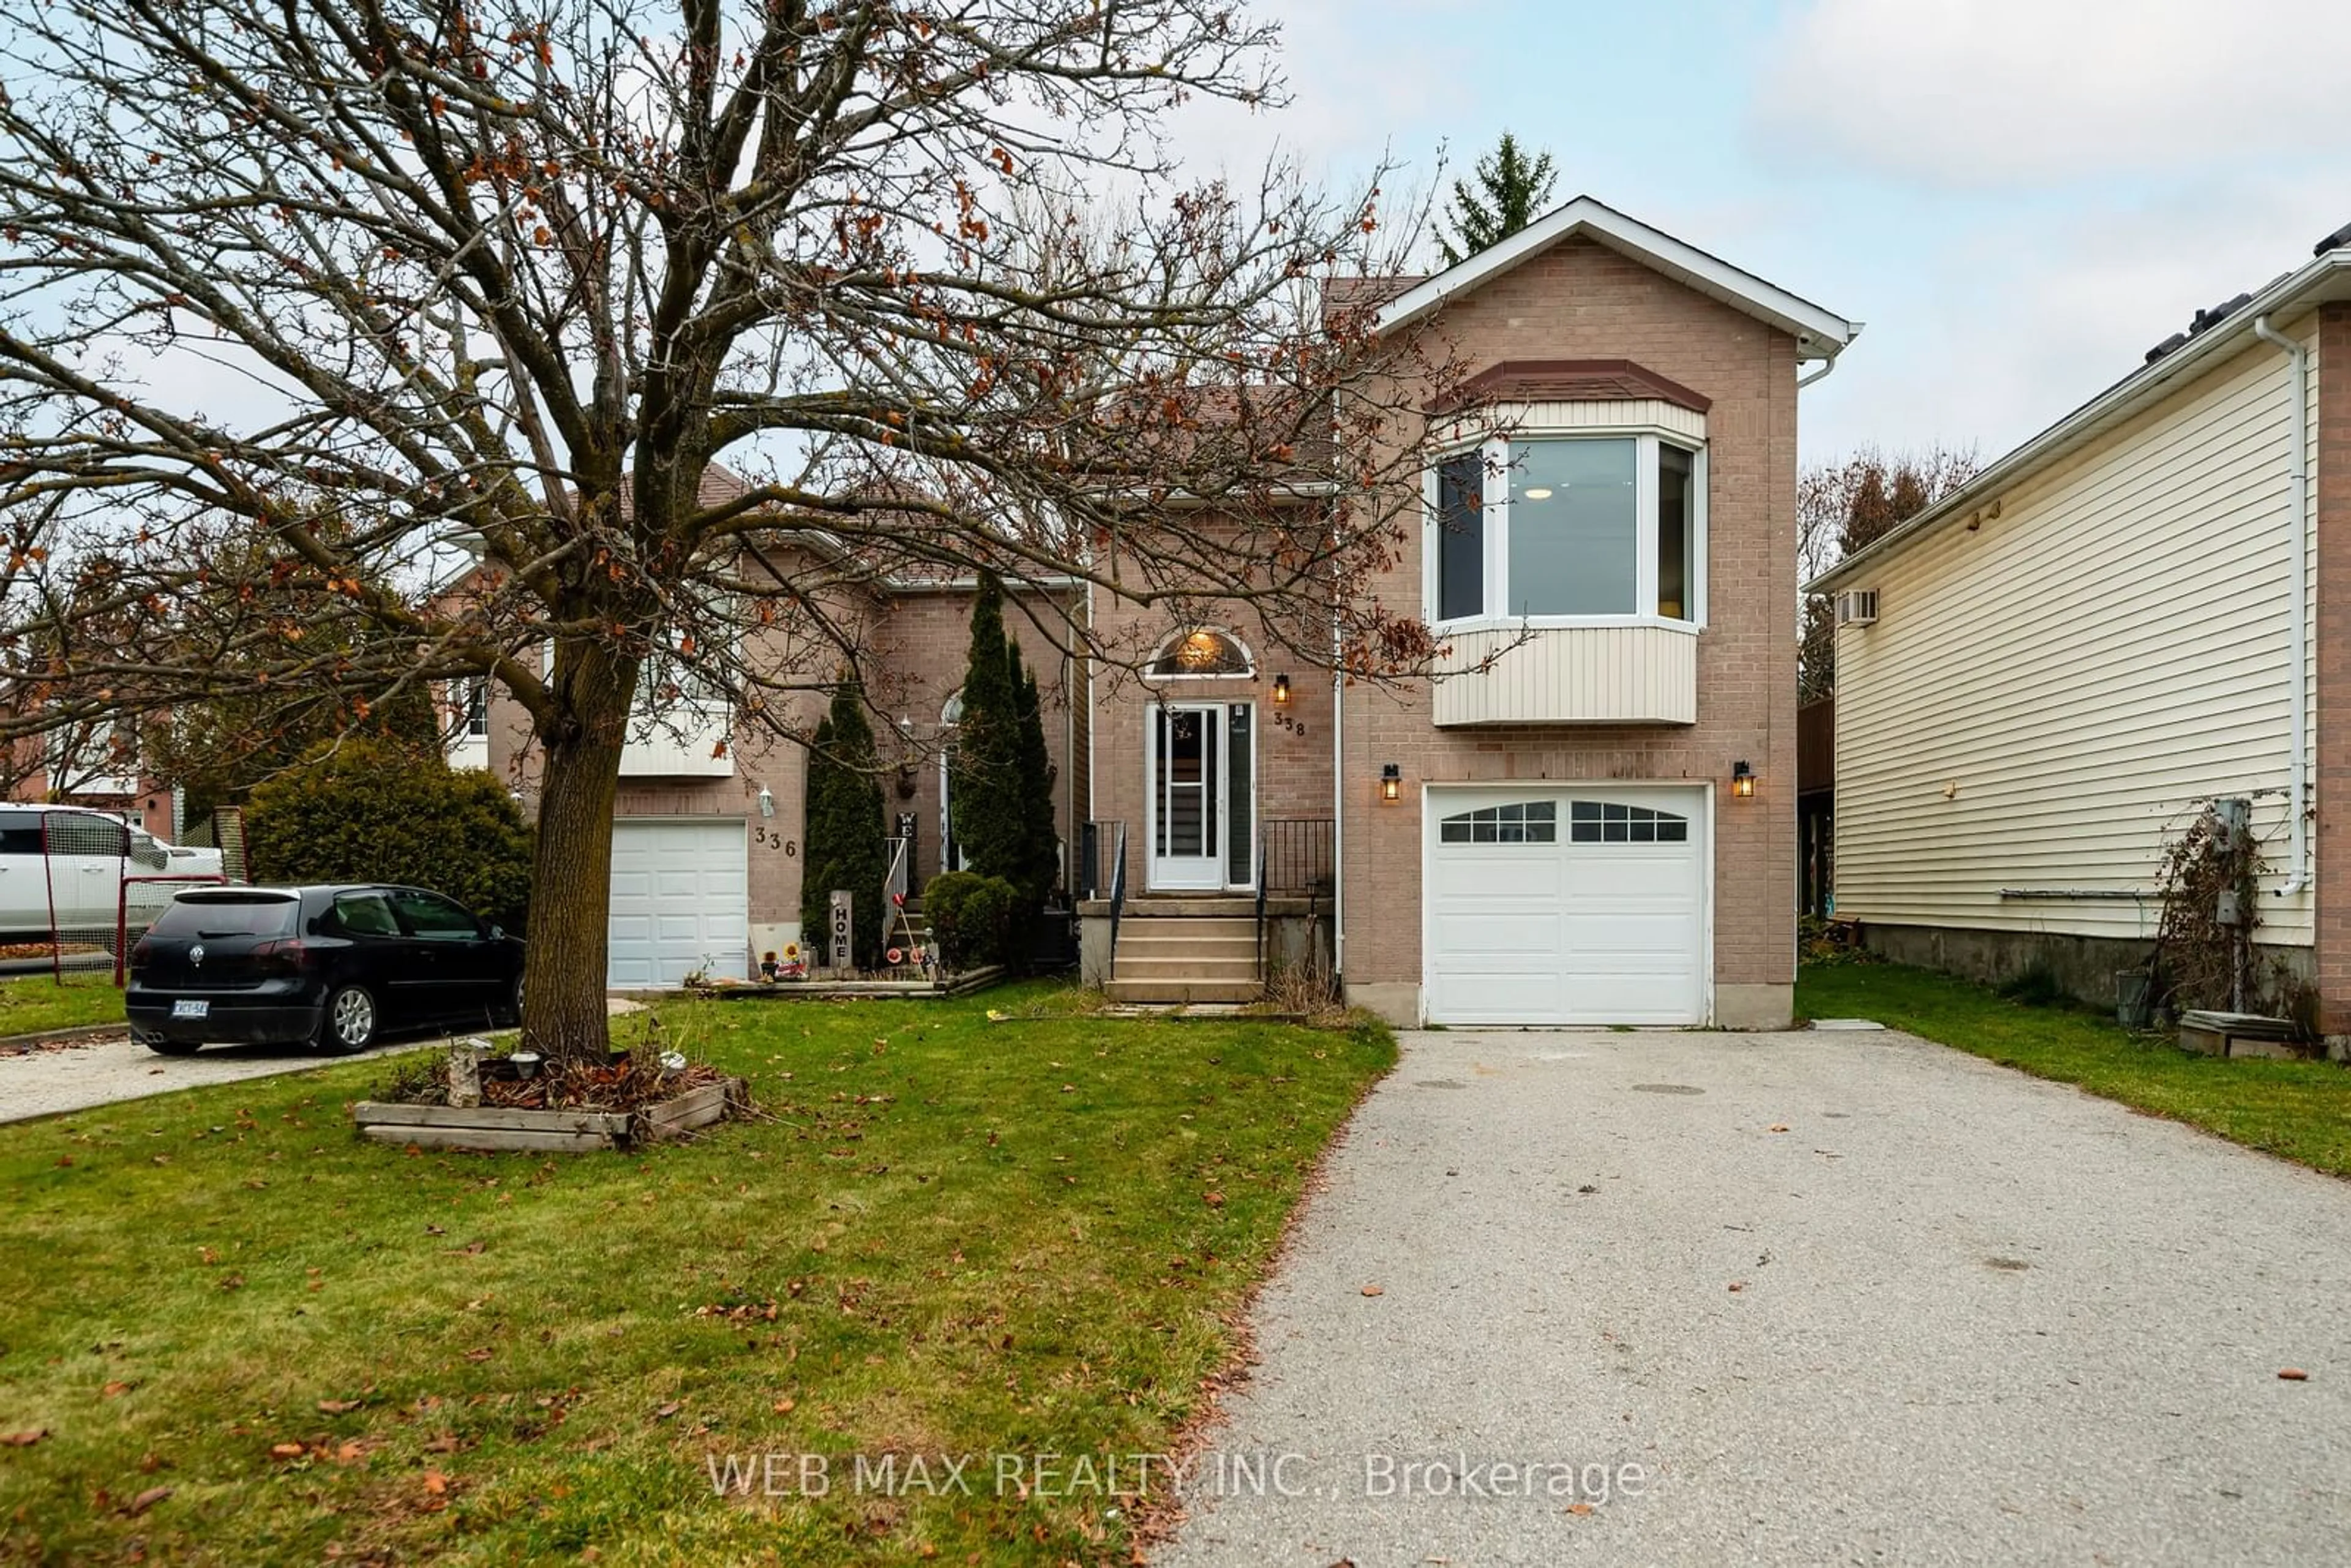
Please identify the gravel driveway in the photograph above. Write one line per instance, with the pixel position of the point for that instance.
(1819, 1297)
(45, 1080)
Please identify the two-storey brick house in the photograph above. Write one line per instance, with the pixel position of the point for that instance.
(1588, 817)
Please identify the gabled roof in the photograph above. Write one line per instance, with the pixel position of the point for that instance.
(1819, 334)
(2172, 363)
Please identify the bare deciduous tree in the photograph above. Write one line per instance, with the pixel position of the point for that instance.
(1844, 506)
(355, 302)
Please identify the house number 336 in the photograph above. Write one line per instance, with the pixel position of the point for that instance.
(767, 838)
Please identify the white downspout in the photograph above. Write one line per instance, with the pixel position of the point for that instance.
(1338, 778)
(2298, 660)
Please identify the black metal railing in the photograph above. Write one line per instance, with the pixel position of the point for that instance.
(1117, 889)
(1298, 854)
(1097, 841)
(1261, 850)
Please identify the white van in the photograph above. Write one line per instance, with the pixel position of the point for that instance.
(63, 867)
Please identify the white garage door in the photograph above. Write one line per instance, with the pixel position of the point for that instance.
(681, 899)
(1567, 906)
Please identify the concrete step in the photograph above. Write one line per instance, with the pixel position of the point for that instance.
(1193, 968)
(1157, 939)
(1158, 925)
(1239, 906)
(1157, 990)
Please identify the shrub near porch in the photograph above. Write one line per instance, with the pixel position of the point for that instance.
(974, 1236)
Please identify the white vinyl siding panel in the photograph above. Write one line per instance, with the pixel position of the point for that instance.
(1569, 675)
(1613, 413)
(2087, 669)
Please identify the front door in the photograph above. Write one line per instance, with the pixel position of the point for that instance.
(1203, 810)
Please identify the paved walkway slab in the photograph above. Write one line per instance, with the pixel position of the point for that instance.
(1798, 1298)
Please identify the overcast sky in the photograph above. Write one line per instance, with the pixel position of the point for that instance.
(2018, 197)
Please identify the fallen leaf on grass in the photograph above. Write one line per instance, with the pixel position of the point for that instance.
(147, 1499)
(23, 1439)
(115, 1390)
(668, 1410)
(784, 1406)
(1213, 1199)
(2294, 1374)
(435, 1483)
(470, 1249)
(337, 1406)
(435, 1230)
(1373, 1290)
(445, 1444)
(285, 1450)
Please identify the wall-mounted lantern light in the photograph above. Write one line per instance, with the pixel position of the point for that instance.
(767, 802)
(1281, 689)
(1391, 782)
(1742, 781)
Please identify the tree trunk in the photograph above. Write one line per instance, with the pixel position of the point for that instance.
(563, 1016)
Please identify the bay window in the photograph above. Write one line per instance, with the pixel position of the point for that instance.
(1575, 527)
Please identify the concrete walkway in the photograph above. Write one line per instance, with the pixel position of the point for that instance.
(1949, 1314)
(47, 1080)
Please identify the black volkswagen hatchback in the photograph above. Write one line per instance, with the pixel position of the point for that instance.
(330, 966)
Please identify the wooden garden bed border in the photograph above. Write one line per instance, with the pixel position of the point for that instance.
(490, 1128)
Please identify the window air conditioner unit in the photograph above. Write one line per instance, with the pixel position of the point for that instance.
(1857, 607)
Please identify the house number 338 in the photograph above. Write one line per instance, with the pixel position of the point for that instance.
(767, 838)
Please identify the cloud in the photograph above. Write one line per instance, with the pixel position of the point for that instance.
(1994, 93)
(2003, 329)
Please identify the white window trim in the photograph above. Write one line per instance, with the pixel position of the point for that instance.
(1496, 449)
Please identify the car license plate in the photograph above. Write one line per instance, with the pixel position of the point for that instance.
(190, 1010)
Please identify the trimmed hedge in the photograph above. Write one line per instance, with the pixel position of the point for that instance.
(364, 811)
(971, 917)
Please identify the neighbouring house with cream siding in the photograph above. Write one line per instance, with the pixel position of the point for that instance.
(2078, 652)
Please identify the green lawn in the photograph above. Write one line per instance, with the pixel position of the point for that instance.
(2300, 1110)
(37, 1002)
(948, 1235)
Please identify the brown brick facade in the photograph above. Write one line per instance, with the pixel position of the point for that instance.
(1293, 738)
(2332, 740)
(1582, 301)
(918, 643)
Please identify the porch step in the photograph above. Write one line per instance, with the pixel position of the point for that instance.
(1242, 967)
(1193, 925)
(1192, 906)
(1219, 931)
(1178, 990)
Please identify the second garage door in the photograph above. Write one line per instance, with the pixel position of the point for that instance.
(681, 899)
(1565, 907)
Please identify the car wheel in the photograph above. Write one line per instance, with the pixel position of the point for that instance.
(163, 1046)
(350, 1022)
(513, 1019)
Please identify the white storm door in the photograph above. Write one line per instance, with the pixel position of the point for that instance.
(1186, 765)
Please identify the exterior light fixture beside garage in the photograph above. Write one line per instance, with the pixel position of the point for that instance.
(1742, 781)
(1391, 783)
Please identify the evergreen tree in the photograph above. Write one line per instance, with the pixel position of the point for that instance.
(841, 845)
(1511, 191)
(1043, 859)
(984, 774)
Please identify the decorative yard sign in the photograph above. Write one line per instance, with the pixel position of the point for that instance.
(838, 947)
